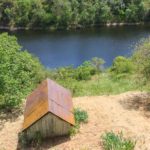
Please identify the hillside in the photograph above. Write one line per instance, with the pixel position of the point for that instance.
(127, 112)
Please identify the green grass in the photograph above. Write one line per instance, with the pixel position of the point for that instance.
(100, 85)
(112, 141)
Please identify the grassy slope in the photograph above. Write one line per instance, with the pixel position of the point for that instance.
(100, 85)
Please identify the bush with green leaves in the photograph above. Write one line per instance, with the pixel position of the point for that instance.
(112, 141)
(25, 141)
(121, 67)
(20, 72)
(141, 58)
(85, 71)
(81, 116)
(97, 63)
(63, 73)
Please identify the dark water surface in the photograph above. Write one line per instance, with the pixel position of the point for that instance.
(63, 48)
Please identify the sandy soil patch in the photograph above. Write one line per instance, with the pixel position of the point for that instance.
(127, 112)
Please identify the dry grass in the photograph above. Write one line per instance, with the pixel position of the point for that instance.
(106, 113)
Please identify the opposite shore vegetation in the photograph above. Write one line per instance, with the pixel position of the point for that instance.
(69, 14)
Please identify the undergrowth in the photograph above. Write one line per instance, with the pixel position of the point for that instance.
(112, 141)
(25, 141)
(101, 84)
(81, 116)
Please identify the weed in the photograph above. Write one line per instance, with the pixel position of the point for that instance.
(112, 141)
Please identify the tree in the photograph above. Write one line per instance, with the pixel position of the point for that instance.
(20, 72)
(103, 12)
(141, 58)
(97, 63)
(61, 11)
(135, 11)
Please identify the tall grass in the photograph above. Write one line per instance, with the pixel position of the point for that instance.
(101, 84)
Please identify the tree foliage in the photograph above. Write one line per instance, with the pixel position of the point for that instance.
(141, 58)
(19, 72)
(70, 13)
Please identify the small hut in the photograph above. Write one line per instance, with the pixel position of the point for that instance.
(49, 110)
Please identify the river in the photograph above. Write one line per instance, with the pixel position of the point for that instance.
(63, 48)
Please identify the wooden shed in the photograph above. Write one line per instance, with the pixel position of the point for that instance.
(49, 110)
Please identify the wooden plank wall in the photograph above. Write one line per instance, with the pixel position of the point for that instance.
(48, 126)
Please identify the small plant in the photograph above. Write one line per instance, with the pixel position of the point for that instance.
(112, 141)
(25, 141)
(37, 139)
(74, 129)
(81, 116)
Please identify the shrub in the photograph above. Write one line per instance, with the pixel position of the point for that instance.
(63, 73)
(112, 141)
(25, 142)
(141, 58)
(85, 71)
(74, 130)
(19, 72)
(81, 116)
(97, 63)
(82, 72)
(121, 66)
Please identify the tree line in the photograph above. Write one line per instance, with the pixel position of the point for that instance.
(71, 13)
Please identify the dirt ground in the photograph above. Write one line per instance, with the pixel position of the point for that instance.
(127, 112)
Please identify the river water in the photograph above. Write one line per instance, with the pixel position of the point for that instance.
(64, 48)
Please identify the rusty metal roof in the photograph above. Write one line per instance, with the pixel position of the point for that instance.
(49, 97)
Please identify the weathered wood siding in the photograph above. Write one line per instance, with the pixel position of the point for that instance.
(48, 126)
